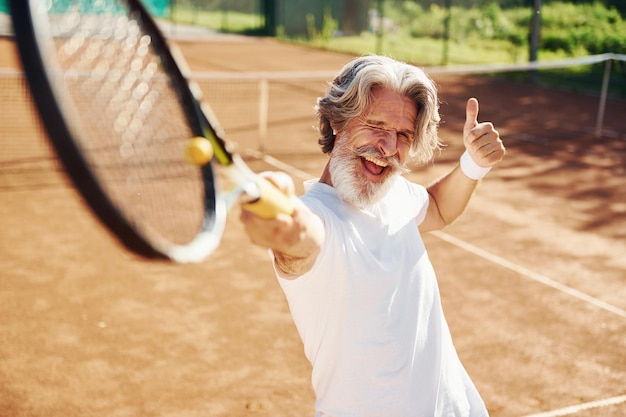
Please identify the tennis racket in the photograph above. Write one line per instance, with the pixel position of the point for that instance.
(120, 111)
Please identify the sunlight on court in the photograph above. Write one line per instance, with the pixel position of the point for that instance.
(534, 295)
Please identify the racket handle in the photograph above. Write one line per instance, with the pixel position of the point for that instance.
(271, 201)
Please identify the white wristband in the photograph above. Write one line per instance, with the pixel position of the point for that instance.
(471, 169)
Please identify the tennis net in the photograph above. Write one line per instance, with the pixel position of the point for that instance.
(274, 111)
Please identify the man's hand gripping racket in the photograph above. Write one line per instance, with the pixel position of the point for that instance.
(130, 129)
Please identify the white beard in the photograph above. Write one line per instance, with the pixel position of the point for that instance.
(350, 184)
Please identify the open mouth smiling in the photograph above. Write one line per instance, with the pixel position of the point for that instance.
(374, 166)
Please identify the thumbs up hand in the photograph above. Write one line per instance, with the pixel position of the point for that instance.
(482, 141)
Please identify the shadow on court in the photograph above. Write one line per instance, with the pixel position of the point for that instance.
(87, 329)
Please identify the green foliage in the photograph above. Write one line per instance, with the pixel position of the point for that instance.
(484, 31)
(242, 6)
(328, 29)
(582, 29)
(217, 19)
(566, 28)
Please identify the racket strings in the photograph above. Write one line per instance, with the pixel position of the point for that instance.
(127, 117)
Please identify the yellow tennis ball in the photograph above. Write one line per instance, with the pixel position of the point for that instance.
(199, 151)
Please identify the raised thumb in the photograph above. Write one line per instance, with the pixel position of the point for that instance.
(471, 115)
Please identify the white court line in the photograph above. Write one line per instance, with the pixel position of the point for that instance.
(283, 166)
(528, 273)
(581, 407)
(477, 251)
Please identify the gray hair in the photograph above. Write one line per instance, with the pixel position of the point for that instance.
(350, 91)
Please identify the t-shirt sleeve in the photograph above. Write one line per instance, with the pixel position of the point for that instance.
(423, 198)
(418, 197)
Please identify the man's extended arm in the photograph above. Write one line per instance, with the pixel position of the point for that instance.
(449, 196)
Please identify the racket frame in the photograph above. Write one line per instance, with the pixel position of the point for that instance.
(50, 105)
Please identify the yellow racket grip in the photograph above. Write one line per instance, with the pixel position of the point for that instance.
(271, 201)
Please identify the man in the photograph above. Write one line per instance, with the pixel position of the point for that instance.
(351, 261)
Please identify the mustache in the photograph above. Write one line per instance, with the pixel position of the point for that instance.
(369, 151)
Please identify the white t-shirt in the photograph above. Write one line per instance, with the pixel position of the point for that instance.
(370, 317)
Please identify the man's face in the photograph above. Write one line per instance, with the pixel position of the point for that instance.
(373, 148)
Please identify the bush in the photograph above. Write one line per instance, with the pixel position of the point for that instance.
(558, 42)
(565, 27)
(613, 42)
(590, 28)
(428, 23)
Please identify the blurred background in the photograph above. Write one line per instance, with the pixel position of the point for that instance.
(429, 32)
(536, 300)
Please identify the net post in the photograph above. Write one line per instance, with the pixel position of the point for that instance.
(603, 94)
(264, 93)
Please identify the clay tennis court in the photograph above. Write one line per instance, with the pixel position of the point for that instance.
(532, 277)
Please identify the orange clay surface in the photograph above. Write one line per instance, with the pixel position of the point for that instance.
(87, 329)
